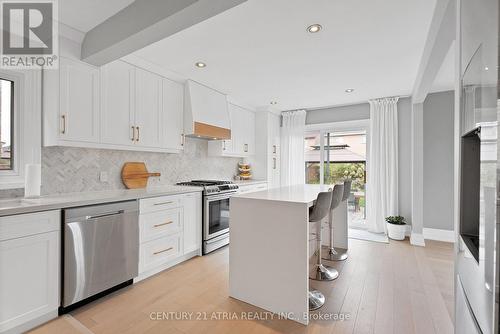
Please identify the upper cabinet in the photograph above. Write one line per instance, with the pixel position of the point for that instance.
(71, 103)
(267, 155)
(242, 142)
(173, 112)
(148, 108)
(117, 103)
(118, 106)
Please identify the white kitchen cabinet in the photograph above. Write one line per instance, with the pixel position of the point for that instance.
(170, 231)
(247, 117)
(268, 153)
(71, 103)
(242, 142)
(140, 109)
(29, 270)
(192, 222)
(79, 101)
(173, 115)
(148, 109)
(118, 104)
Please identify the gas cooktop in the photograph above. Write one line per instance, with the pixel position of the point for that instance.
(212, 187)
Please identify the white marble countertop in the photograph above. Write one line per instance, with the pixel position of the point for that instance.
(305, 194)
(60, 201)
(248, 182)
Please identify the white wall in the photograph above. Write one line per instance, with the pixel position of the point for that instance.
(438, 161)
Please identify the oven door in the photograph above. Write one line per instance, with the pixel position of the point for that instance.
(216, 215)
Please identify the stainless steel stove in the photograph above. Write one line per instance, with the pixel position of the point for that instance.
(216, 195)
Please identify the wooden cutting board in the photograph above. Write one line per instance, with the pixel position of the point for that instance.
(135, 175)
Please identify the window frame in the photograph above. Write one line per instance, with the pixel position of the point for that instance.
(26, 125)
(343, 126)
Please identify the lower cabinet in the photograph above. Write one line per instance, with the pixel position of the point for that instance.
(170, 231)
(30, 270)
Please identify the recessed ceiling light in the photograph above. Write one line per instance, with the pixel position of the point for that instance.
(274, 103)
(314, 28)
(349, 90)
(486, 68)
(200, 64)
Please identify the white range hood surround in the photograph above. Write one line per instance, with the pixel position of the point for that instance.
(206, 114)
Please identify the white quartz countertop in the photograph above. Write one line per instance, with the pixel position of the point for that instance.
(305, 194)
(60, 201)
(248, 182)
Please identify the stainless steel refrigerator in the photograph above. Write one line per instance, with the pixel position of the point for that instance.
(476, 260)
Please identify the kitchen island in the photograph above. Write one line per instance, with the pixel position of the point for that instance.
(269, 249)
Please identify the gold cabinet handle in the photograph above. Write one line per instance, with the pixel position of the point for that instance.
(163, 203)
(223, 145)
(163, 250)
(182, 139)
(274, 149)
(246, 147)
(274, 163)
(138, 134)
(63, 130)
(133, 133)
(163, 224)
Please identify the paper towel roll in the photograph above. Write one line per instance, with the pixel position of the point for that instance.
(32, 180)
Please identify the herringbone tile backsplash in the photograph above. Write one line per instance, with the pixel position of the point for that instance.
(67, 169)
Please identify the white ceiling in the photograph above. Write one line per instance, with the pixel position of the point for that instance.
(260, 51)
(84, 15)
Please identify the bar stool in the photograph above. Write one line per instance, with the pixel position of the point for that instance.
(323, 273)
(317, 214)
(333, 255)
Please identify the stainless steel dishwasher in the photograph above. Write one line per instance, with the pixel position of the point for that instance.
(101, 250)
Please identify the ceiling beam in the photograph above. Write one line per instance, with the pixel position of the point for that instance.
(439, 40)
(144, 22)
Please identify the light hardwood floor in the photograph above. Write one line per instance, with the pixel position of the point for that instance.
(383, 288)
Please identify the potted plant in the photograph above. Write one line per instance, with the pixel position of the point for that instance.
(396, 227)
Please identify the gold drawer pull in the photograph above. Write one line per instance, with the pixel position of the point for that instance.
(163, 251)
(163, 224)
(164, 203)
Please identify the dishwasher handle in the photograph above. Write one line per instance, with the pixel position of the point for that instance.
(119, 212)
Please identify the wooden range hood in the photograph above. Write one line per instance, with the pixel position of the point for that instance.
(205, 113)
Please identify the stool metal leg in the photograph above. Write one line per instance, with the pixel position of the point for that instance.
(316, 300)
(322, 273)
(332, 254)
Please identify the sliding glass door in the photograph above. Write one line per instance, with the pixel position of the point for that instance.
(332, 156)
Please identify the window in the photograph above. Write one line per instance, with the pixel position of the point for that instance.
(312, 157)
(332, 156)
(6, 124)
(20, 124)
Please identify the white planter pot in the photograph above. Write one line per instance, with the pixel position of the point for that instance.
(396, 232)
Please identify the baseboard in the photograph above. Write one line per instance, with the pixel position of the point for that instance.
(417, 239)
(31, 323)
(439, 235)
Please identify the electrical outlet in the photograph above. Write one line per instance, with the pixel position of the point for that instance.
(103, 176)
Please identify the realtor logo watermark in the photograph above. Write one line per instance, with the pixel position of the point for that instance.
(29, 37)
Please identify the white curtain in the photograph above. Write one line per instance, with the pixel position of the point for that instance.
(292, 148)
(382, 169)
